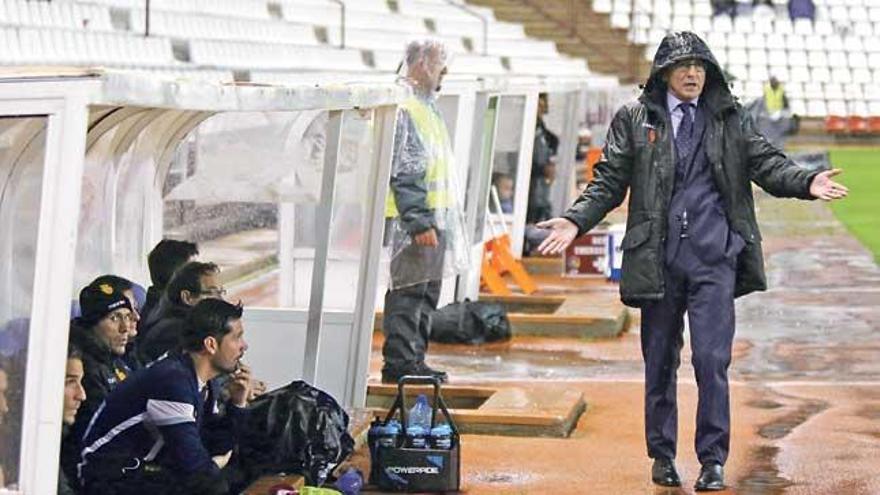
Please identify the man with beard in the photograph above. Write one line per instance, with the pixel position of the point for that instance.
(687, 152)
(422, 216)
(165, 430)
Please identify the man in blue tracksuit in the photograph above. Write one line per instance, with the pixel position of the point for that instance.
(164, 430)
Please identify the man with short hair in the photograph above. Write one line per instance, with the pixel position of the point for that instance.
(424, 227)
(164, 430)
(163, 261)
(687, 152)
(74, 395)
(192, 283)
(101, 333)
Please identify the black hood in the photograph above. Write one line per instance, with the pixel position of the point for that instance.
(93, 348)
(679, 46)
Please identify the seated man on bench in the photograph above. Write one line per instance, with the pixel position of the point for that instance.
(163, 430)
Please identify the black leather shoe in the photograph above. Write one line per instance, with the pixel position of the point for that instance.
(393, 374)
(711, 478)
(663, 472)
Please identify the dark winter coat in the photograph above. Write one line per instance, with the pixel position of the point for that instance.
(102, 372)
(639, 156)
(162, 331)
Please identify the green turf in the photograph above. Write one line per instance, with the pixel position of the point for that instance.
(860, 211)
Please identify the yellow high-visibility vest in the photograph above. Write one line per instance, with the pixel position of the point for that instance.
(432, 132)
(774, 98)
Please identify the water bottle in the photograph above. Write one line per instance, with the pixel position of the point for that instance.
(441, 437)
(418, 425)
(388, 434)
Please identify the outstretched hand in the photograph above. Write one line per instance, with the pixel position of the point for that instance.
(826, 189)
(562, 232)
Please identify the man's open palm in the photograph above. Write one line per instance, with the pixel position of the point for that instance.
(562, 232)
(826, 189)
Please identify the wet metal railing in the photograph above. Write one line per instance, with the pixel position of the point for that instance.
(482, 19)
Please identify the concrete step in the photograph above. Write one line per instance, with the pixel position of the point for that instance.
(551, 411)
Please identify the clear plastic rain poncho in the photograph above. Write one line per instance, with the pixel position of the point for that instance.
(425, 192)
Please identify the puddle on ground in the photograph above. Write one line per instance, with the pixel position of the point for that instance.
(475, 364)
(763, 478)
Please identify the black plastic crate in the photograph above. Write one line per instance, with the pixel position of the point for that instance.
(406, 469)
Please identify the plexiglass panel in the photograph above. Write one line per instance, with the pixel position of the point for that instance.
(478, 186)
(22, 154)
(508, 138)
(244, 186)
(349, 215)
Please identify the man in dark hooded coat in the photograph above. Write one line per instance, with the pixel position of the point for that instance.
(687, 152)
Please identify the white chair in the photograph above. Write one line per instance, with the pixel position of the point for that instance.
(620, 20)
(841, 74)
(662, 20)
(753, 89)
(717, 41)
(853, 90)
(740, 71)
(722, 24)
(863, 28)
(853, 44)
(833, 42)
(703, 9)
(775, 41)
(816, 108)
(817, 58)
(857, 60)
(756, 40)
(798, 106)
(758, 56)
(799, 74)
(758, 73)
(860, 75)
(736, 40)
(858, 107)
(602, 6)
(820, 74)
(813, 91)
(682, 23)
(794, 90)
(797, 58)
(702, 24)
(838, 108)
(781, 73)
(803, 26)
(795, 42)
(621, 6)
(737, 56)
(743, 24)
(839, 14)
(834, 91)
(783, 26)
(763, 25)
(874, 108)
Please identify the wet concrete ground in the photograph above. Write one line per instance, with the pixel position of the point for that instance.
(805, 384)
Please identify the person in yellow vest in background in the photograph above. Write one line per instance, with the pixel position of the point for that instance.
(774, 98)
(424, 222)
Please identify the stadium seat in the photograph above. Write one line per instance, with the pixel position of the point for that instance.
(835, 124)
(874, 124)
(857, 124)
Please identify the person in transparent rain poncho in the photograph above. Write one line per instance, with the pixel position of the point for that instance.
(424, 220)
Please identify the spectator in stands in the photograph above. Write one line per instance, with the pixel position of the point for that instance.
(193, 282)
(546, 143)
(74, 395)
(504, 185)
(101, 334)
(167, 430)
(421, 213)
(724, 7)
(802, 9)
(164, 260)
(775, 100)
(692, 242)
